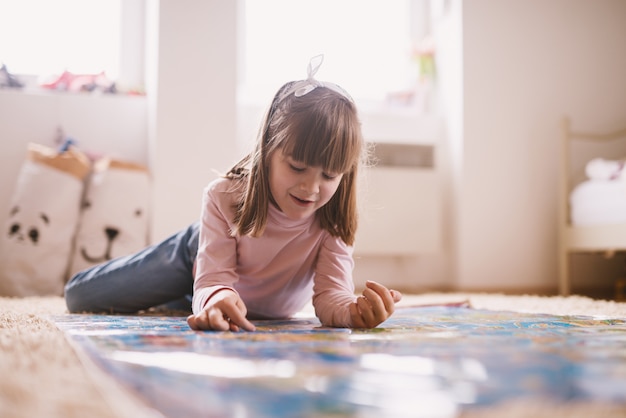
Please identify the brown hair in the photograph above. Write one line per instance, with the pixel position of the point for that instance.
(320, 128)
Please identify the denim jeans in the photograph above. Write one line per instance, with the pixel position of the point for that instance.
(157, 275)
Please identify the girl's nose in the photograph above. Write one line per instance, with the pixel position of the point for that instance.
(310, 184)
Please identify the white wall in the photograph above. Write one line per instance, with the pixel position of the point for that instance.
(192, 90)
(525, 65)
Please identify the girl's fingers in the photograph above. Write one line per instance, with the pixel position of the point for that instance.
(395, 295)
(355, 315)
(235, 313)
(376, 303)
(238, 318)
(383, 293)
(218, 320)
(199, 322)
(225, 312)
(367, 312)
(191, 321)
(215, 319)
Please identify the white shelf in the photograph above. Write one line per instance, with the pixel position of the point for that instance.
(402, 126)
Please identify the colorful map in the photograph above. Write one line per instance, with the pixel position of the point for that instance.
(424, 361)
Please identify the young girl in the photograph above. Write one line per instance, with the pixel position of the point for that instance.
(275, 231)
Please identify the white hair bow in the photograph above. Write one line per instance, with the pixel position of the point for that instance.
(304, 87)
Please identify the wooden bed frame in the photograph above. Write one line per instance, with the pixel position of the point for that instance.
(609, 238)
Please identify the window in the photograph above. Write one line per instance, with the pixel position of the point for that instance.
(367, 45)
(43, 37)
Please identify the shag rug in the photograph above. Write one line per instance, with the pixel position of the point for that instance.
(43, 375)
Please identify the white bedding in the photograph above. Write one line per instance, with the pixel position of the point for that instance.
(602, 198)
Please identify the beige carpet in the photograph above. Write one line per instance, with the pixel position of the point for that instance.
(42, 376)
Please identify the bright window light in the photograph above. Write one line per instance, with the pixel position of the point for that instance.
(366, 45)
(44, 37)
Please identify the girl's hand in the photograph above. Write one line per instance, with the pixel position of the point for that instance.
(223, 312)
(376, 304)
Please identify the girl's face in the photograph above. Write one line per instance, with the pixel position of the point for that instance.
(299, 190)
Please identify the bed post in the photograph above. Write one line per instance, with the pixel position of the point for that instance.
(564, 283)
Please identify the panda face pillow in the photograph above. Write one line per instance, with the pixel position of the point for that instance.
(25, 232)
(36, 242)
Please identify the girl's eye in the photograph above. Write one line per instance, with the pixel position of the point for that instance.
(296, 168)
(330, 176)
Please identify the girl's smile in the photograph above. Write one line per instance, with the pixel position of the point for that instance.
(298, 189)
(303, 202)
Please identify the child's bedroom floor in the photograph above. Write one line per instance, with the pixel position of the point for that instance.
(48, 379)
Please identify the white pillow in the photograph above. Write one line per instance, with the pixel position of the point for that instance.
(114, 220)
(37, 241)
(601, 169)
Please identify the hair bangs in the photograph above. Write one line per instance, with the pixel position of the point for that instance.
(327, 135)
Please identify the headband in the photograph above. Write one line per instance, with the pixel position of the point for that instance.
(304, 87)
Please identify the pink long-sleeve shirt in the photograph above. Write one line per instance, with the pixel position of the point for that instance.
(277, 273)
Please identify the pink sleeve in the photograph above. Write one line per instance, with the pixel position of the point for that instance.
(333, 288)
(216, 260)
